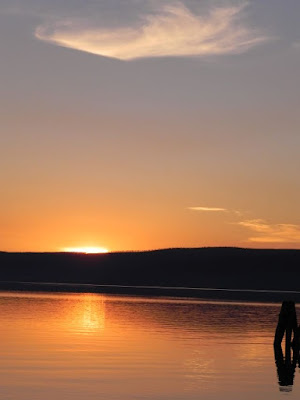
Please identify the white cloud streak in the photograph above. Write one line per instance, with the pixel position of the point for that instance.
(207, 209)
(296, 45)
(272, 233)
(173, 31)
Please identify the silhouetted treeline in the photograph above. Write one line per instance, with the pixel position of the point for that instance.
(233, 268)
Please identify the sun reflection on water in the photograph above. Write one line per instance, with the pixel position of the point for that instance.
(88, 314)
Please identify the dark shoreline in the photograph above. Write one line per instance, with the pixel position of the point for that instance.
(264, 296)
(241, 274)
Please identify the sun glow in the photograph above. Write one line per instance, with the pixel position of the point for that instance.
(86, 250)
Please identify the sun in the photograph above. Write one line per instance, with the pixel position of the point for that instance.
(86, 250)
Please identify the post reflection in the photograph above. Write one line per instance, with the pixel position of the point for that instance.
(286, 366)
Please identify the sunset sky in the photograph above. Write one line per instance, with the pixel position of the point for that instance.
(144, 124)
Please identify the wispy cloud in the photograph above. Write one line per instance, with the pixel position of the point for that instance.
(272, 233)
(296, 45)
(207, 209)
(173, 30)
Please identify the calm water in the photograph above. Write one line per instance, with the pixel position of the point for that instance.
(90, 346)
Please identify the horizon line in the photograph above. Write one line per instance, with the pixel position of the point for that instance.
(148, 250)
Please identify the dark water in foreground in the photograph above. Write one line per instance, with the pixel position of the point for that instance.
(92, 346)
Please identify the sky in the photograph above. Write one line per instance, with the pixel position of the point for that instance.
(136, 125)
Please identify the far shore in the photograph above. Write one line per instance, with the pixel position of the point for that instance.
(208, 273)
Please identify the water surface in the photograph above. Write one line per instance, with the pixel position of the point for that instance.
(92, 346)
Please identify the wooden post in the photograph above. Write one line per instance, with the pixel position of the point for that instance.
(287, 323)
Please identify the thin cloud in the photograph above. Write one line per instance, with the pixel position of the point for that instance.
(296, 45)
(173, 31)
(272, 233)
(207, 209)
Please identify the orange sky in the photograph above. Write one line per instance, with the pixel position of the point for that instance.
(179, 144)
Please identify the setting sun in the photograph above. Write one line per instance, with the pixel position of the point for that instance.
(86, 250)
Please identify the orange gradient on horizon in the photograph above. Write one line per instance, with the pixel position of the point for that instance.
(86, 250)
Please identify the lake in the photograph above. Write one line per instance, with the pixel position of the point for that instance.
(92, 346)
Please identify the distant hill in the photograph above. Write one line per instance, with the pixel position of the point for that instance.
(233, 268)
